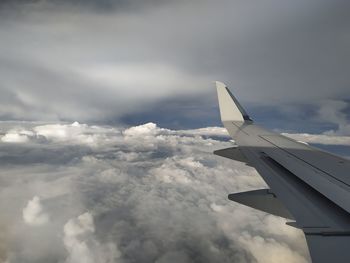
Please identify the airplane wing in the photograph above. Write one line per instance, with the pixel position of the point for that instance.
(308, 186)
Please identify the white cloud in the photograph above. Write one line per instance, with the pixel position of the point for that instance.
(74, 133)
(113, 175)
(208, 131)
(14, 136)
(82, 246)
(33, 213)
(171, 174)
(268, 250)
(148, 129)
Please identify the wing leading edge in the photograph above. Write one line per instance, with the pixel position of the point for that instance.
(307, 185)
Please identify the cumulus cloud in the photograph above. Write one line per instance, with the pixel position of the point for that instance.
(149, 129)
(152, 195)
(81, 244)
(14, 137)
(270, 250)
(33, 213)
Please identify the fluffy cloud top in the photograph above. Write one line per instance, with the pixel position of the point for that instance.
(138, 194)
(14, 137)
(33, 213)
(81, 244)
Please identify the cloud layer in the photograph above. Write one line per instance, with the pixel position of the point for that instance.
(139, 194)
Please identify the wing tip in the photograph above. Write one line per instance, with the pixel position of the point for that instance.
(220, 85)
(230, 109)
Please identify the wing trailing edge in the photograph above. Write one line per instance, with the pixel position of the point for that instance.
(263, 200)
(232, 153)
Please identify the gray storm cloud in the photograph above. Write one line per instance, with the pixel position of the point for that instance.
(104, 59)
(74, 192)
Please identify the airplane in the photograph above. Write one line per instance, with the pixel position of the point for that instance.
(308, 186)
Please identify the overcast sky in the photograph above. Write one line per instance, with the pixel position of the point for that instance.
(132, 61)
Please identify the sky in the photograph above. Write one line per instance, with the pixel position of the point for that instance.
(109, 117)
(128, 61)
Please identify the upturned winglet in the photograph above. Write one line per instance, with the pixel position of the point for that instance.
(230, 109)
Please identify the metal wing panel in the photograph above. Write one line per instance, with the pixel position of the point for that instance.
(269, 159)
(326, 249)
(263, 200)
(335, 166)
(327, 184)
